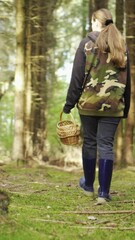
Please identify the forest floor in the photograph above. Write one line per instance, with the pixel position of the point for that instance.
(47, 204)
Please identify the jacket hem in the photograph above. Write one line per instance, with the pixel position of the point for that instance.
(101, 114)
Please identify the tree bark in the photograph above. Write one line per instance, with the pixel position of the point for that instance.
(119, 135)
(120, 15)
(101, 4)
(130, 123)
(28, 122)
(19, 83)
(95, 5)
(38, 40)
(84, 17)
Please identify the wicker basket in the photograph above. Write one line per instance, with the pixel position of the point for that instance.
(68, 131)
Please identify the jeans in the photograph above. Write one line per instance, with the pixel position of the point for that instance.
(98, 136)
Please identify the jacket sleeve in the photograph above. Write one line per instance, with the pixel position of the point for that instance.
(127, 92)
(78, 73)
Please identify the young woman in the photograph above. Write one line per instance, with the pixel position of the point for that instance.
(100, 87)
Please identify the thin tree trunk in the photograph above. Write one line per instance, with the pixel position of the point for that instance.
(130, 123)
(91, 10)
(119, 144)
(17, 153)
(120, 15)
(38, 71)
(101, 4)
(95, 5)
(28, 146)
(119, 135)
(84, 17)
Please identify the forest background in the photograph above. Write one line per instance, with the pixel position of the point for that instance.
(38, 43)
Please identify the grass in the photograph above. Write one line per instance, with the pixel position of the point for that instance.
(47, 204)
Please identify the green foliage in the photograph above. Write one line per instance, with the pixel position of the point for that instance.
(61, 56)
(67, 26)
(55, 106)
(7, 65)
(7, 34)
(47, 204)
(6, 119)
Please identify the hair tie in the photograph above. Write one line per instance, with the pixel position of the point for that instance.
(108, 21)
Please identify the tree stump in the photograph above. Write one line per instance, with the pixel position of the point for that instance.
(4, 202)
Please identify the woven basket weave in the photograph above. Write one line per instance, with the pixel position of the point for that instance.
(68, 131)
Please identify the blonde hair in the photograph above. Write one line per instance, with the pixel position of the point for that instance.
(110, 38)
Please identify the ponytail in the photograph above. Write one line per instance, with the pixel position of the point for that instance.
(110, 39)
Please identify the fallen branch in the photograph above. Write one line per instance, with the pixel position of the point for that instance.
(83, 223)
(76, 212)
(101, 212)
(126, 201)
(52, 221)
(108, 228)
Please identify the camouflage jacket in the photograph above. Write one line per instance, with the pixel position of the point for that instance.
(106, 91)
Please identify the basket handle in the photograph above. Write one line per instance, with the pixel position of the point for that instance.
(70, 115)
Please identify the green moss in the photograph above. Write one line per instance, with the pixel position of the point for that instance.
(46, 203)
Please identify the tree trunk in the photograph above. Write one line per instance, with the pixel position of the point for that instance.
(101, 4)
(120, 15)
(28, 146)
(91, 10)
(39, 81)
(84, 17)
(38, 40)
(32, 19)
(19, 83)
(119, 135)
(119, 144)
(95, 5)
(130, 123)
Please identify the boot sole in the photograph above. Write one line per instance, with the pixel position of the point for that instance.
(101, 201)
(89, 194)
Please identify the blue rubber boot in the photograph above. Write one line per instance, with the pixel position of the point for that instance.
(87, 182)
(104, 177)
